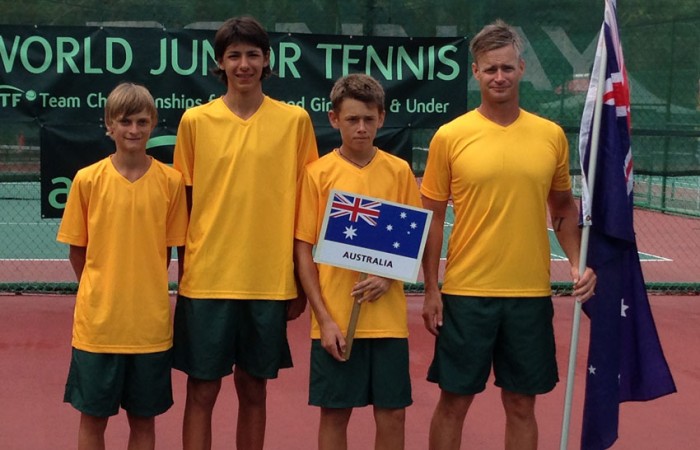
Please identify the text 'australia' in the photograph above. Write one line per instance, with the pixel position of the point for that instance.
(368, 259)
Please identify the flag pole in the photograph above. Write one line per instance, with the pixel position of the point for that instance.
(585, 233)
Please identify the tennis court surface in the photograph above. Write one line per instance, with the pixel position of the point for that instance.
(35, 350)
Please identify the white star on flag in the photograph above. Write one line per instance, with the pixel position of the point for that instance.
(623, 308)
(591, 370)
(350, 232)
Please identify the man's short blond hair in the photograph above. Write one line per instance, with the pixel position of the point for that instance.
(494, 36)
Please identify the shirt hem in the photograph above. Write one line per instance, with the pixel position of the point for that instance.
(504, 294)
(234, 296)
(360, 335)
(120, 349)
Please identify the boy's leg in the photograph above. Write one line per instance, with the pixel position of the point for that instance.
(333, 428)
(390, 428)
(94, 388)
(142, 432)
(147, 392)
(199, 405)
(261, 351)
(391, 391)
(203, 345)
(252, 409)
(91, 433)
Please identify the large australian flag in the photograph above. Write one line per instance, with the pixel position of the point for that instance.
(373, 236)
(625, 358)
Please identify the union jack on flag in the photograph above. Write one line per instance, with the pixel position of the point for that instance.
(616, 96)
(372, 235)
(355, 207)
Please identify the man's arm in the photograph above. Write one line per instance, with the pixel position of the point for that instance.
(432, 305)
(564, 216)
(332, 339)
(76, 256)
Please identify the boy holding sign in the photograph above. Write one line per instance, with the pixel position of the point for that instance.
(377, 373)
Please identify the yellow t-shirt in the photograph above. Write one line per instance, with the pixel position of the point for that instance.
(244, 176)
(386, 177)
(122, 305)
(499, 179)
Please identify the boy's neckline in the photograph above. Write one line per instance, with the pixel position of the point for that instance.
(360, 164)
(132, 171)
(243, 106)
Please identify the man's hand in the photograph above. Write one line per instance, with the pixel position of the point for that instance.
(584, 287)
(432, 311)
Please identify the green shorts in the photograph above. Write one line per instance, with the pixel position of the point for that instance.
(211, 336)
(376, 374)
(98, 383)
(515, 335)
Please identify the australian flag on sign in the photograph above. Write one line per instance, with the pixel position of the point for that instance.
(373, 236)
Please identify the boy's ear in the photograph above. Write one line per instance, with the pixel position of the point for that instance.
(380, 119)
(333, 119)
(108, 127)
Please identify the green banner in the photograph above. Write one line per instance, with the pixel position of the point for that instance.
(59, 77)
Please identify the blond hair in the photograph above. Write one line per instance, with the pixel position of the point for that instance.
(127, 99)
(494, 36)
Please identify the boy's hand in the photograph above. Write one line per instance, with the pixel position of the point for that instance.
(332, 340)
(371, 288)
(296, 306)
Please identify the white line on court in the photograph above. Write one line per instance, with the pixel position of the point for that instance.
(43, 224)
(32, 260)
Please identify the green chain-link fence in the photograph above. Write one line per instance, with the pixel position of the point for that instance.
(661, 41)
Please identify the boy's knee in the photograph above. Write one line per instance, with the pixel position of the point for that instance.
(393, 417)
(203, 392)
(140, 424)
(335, 417)
(250, 389)
(454, 406)
(93, 424)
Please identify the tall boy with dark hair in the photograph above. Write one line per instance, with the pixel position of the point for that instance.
(242, 156)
